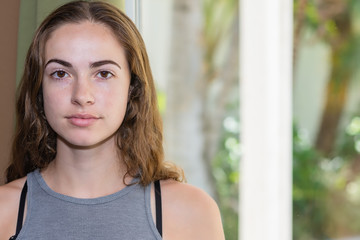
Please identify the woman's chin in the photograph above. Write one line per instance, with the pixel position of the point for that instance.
(82, 143)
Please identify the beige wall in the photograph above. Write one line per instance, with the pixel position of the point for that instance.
(9, 15)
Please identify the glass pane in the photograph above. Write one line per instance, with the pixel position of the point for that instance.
(326, 186)
(193, 50)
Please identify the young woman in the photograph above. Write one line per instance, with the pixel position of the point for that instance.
(87, 158)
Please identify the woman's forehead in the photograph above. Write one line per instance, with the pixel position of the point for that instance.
(85, 39)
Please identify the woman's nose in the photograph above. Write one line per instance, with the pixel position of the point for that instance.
(82, 92)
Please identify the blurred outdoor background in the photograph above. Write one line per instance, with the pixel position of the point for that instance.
(193, 47)
(326, 130)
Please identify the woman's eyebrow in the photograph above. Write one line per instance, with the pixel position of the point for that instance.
(103, 62)
(62, 62)
(93, 65)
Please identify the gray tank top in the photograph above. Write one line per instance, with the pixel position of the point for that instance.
(123, 215)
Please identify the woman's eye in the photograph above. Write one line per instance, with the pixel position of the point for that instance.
(105, 74)
(59, 74)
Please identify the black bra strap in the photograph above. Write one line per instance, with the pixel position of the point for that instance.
(21, 209)
(158, 206)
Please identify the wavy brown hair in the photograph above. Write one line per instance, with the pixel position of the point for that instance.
(139, 137)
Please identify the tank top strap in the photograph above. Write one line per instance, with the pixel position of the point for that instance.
(20, 218)
(158, 206)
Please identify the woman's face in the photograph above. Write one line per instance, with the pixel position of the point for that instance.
(85, 85)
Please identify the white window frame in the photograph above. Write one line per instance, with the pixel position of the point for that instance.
(133, 11)
(266, 119)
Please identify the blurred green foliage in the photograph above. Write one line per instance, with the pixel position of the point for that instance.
(309, 192)
(161, 99)
(326, 190)
(226, 172)
(326, 186)
(220, 25)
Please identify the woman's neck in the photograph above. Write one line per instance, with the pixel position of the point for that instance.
(86, 172)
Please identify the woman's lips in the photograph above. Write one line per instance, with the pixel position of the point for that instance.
(82, 120)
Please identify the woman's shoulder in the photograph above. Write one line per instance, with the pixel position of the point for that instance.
(11, 190)
(189, 212)
(10, 194)
(9, 204)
